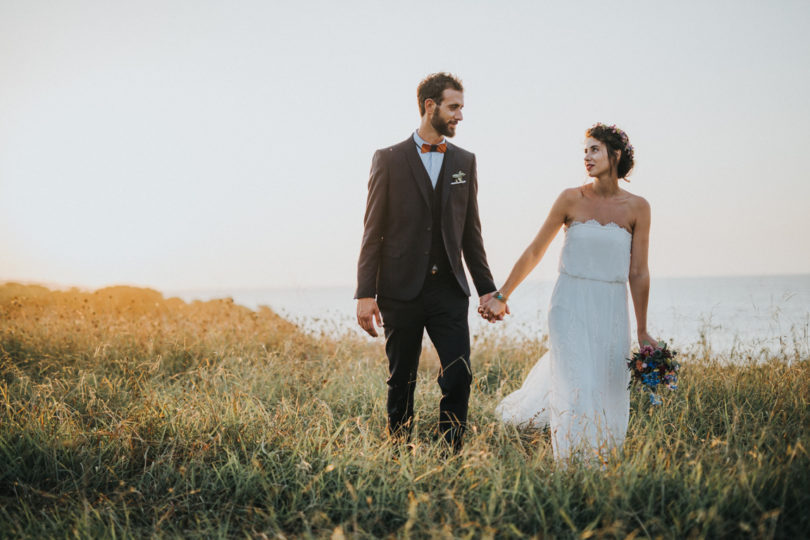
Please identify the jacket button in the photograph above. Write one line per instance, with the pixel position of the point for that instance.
(427, 253)
(428, 228)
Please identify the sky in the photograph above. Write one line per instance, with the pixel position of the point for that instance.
(199, 144)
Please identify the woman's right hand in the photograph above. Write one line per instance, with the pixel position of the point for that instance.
(493, 310)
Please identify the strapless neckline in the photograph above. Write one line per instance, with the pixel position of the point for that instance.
(593, 222)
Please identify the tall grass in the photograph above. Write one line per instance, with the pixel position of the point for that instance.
(126, 414)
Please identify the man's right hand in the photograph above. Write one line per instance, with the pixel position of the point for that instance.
(367, 314)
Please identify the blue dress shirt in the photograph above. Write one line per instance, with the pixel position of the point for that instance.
(431, 160)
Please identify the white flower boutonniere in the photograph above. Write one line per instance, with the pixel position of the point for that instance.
(458, 178)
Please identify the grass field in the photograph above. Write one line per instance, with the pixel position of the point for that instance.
(124, 414)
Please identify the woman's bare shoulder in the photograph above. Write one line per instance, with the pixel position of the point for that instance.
(639, 208)
(637, 202)
(571, 194)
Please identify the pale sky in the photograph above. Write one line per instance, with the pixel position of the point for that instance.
(200, 144)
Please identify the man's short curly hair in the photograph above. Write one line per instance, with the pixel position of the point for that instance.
(433, 86)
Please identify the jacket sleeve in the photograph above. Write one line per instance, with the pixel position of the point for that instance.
(472, 244)
(373, 228)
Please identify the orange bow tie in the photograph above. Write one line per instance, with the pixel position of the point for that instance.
(441, 148)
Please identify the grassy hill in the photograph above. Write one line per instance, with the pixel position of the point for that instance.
(126, 414)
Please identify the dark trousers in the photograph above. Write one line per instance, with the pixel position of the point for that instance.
(441, 309)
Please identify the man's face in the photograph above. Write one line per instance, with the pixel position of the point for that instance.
(448, 114)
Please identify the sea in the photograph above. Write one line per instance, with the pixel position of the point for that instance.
(745, 316)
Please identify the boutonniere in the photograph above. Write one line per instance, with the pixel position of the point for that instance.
(458, 178)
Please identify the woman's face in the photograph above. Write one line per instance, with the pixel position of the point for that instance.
(597, 161)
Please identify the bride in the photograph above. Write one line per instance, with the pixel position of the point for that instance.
(579, 387)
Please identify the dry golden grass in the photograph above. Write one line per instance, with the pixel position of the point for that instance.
(126, 414)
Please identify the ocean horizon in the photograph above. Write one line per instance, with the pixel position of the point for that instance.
(723, 314)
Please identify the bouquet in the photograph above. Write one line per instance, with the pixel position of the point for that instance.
(652, 367)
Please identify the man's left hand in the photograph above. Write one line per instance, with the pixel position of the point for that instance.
(482, 309)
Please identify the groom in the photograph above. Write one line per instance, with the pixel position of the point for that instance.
(421, 216)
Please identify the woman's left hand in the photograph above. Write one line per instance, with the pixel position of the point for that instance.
(646, 339)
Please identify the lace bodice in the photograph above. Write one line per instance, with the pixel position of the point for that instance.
(595, 251)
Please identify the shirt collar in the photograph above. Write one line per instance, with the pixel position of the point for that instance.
(420, 141)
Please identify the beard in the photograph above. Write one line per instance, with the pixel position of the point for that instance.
(442, 127)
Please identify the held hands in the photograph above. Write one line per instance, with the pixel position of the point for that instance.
(367, 314)
(492, 309)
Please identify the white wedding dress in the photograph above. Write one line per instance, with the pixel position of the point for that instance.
(579, 387)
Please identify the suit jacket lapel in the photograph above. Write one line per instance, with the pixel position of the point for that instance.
(449, 166)
(419, 175)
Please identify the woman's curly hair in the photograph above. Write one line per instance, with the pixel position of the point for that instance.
(615, 140)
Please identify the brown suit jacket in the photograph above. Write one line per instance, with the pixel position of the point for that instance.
(396, 240)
